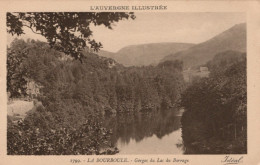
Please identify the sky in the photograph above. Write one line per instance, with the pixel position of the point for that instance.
(159, 27)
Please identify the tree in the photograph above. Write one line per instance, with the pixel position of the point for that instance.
(68, 32)
(16, 72)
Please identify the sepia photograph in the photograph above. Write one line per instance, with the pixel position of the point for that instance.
(106, 83)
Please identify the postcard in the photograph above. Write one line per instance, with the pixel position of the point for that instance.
(130, 82)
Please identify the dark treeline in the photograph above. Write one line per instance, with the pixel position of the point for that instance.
(215, 119)
(75, 93)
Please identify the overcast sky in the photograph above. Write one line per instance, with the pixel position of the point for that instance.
(160, 27)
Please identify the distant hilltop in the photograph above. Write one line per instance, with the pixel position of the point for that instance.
(232, 39)
(192, 55)
(145, 54)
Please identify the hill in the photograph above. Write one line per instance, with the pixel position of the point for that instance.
(231, 39)
(145, 54)
(225, 59)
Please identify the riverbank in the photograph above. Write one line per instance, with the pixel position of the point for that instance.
(215, 120)
(17, 109)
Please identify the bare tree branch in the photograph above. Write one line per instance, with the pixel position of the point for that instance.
(32, 29)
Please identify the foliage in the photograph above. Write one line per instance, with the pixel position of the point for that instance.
(215, 117)
(89, 139)
(68, 32)
(20, 69)
(15, 79)
(73, 92)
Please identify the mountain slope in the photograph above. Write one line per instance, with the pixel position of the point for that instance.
(145, 54)
(231, 39)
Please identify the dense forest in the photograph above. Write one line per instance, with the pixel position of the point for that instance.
(74, 94)
(215, 120)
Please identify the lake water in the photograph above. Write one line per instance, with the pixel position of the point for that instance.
(156, 132)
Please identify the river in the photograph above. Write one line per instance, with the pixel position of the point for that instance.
(156, 132)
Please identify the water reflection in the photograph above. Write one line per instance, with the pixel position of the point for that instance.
(155, 132)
